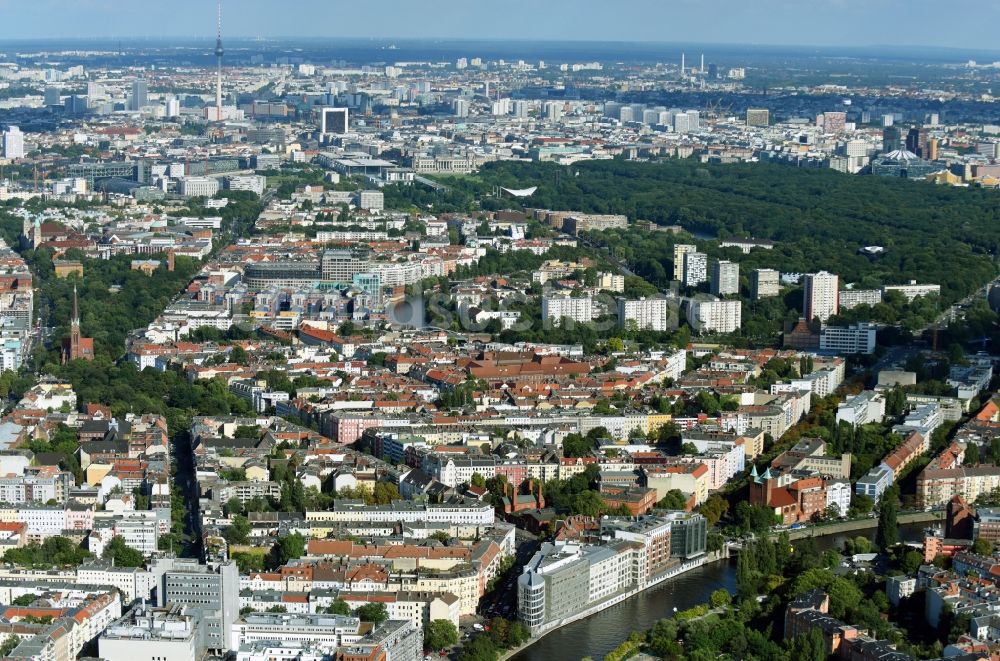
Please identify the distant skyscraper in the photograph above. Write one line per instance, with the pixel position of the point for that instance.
(140, 94)
(460, 107)
(553, 110)
(333, 121)
(918, 142)
(821, 296)
(52, 97)
(713, 71)
(13, 143)
(891, 140)
(218, 62)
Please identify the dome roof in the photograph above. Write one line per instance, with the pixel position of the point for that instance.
(900, 156)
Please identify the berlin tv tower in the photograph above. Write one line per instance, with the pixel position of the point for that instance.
(218, 60)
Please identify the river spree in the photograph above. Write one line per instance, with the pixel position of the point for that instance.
(598, 634)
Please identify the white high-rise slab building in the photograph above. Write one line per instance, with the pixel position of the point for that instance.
(821, 297)
(764, 283)
(557, 307)
(715, 316)
(13, 143)
(647, 313)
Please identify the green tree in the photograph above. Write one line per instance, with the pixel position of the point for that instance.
(291, 547)
(238, 531)
(9, 643)
(575, 445)
(376, 613)
(122, 554)
(808, 647)
(982, 546)
(721, 598)
(238, 355)
(479, 648)
(887, 534)
(714, 508)
(674, 500)
(440, 634)
(339, 607)
(911, 561)
(385, 492)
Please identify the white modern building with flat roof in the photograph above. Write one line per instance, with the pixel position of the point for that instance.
(856, 338)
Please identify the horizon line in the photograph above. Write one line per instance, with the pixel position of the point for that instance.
(532, 40)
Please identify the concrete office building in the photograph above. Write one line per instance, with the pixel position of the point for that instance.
(212, 593)
(647, 313)
(371, 200)
(764, 283)
(248, 182)
(695, 268)
(681, 249)
(844, 340)
(564, 580)
(198, 187)
(326, 632)
(556, 583)
(688, 534)
(725, 279)
(821, 296)
(280, 274)
(158, 634)
(341, 265)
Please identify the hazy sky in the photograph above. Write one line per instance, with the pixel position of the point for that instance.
(957, 23)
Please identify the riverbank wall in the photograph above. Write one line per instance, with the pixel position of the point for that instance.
(840, 527)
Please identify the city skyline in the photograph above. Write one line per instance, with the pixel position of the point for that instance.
(844, 23)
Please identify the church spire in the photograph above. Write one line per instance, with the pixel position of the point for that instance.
(76, 309)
